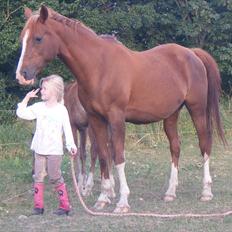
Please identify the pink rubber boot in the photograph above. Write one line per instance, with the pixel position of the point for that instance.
(38, 199)
(64, 206)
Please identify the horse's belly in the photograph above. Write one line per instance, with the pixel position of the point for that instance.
(140, 117)
(152, 111)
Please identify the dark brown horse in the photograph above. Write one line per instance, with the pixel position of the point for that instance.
(79, 122)
(117, 85)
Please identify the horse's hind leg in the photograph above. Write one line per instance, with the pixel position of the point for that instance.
(205, 142)
(82, 175)
(170, 127)
(93, 153)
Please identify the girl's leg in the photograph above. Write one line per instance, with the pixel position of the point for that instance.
(40, 173)
(56, 178)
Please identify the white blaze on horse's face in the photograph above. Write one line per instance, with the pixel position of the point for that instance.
(19, 77)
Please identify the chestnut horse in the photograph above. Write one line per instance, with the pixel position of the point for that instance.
(117, 84)
(79, 122)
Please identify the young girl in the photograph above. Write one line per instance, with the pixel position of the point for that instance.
(52, 121)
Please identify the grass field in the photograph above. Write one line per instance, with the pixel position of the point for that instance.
(147, 170)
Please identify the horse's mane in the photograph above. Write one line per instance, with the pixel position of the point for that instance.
(111, 38)
(71, 23)
(74, 24)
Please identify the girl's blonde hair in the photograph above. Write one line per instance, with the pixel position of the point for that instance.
(57, 84)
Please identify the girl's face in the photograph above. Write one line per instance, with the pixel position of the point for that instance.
(47, 92)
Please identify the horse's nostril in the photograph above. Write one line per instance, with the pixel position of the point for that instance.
(28, 73)
(24, 73)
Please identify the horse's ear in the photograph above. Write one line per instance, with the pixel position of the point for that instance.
(27, 12)
(43, 14)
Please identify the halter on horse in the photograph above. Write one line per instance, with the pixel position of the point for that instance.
(117, 85)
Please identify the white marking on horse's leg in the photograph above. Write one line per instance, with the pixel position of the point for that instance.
(207, 177)
(170, 195)
(124, 189)
(103, 199)
(112, 180)
(90, 181)
(24, 46)
(112, 193)
(80, 181)
(87, 189)
(81, 177)
(207, 181)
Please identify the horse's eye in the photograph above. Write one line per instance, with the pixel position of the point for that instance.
(38, 39)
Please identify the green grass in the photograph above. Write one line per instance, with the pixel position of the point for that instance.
(147, 171)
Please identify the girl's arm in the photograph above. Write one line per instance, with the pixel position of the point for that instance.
(69, 141)
(23, 111)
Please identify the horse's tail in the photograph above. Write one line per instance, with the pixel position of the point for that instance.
(214, 91)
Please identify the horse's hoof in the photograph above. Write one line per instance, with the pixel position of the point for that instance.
(169, 198)
(99, 205)
(206, 198)
(122, 209)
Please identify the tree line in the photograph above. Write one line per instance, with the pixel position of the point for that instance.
(139, 24)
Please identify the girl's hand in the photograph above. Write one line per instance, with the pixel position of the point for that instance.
(73, 152)
(32, 94)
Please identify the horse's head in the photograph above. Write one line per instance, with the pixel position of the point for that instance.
(39, 45)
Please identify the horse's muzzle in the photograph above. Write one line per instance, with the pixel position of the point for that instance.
(23, 81)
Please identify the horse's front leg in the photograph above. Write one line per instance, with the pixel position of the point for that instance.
(82, 177)
(94, 154)
(99, 128)
(77, 159)
(117, 131)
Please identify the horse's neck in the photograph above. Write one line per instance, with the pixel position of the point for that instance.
(79, 52)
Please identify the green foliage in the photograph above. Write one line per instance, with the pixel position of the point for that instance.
(15, 139)
(6, 104)
(138, 24)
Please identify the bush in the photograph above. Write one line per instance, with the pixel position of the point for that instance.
(7, 104)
